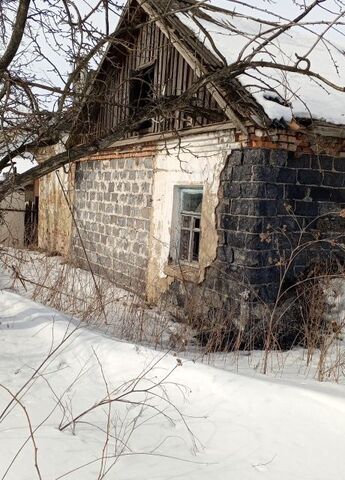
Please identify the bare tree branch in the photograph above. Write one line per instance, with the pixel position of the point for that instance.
(17, 35)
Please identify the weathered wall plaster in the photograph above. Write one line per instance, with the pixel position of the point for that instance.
(190, 161)
(12, 222)
(54, 219)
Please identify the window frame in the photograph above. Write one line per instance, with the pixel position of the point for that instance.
(178, 227)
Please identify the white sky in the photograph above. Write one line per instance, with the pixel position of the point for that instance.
(286, 8)
(44, 71)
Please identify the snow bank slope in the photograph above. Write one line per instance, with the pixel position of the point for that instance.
(249, 428)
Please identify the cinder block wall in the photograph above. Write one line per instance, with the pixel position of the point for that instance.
(263, 191)
(113, 208)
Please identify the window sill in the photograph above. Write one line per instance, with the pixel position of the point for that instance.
(183, 271)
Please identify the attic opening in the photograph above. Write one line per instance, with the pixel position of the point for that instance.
(141, 94)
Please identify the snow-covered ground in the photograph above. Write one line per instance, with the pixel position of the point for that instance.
(195, 421)
(57, 283)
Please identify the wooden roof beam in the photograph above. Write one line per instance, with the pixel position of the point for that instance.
(196, 65)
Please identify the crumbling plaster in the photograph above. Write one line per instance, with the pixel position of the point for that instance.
(12, 227)
(55, 220)
(196, 160)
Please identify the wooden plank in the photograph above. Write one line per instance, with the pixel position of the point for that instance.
(143, 46)
(156, 79)
(120, 94)
(184, 88)
(131, 66)
(106, 108)
(166, 66)
(148, 55)
(136, 50)
(189, 81)
(203, 103)
(163, 62)
(179, 83)
(117, 96)
(174, 70)
(197, 67)
(125, 86)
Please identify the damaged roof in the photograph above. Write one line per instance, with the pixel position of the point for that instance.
(232, 31)
(225, 33)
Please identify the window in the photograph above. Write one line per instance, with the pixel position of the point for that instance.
(141, 92)
(188, 224)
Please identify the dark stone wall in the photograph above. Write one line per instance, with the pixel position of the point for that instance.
(270, 201)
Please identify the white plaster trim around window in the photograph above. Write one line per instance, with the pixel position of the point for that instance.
(192, 161)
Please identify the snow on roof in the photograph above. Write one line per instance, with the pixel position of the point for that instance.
(282, 94)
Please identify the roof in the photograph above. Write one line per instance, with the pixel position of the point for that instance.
(217, 33)
(230, 31)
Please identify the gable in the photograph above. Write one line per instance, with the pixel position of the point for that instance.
(181, 44)
(142, 53)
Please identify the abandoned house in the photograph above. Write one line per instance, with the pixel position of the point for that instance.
(206, 202)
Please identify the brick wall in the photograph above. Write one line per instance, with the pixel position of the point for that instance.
(303, 140)
(266, 198)
(113, 208)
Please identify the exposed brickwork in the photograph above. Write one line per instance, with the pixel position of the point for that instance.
(113, 208)
(134, 151)
(293, 141)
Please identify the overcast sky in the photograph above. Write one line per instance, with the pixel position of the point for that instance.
(285, 8)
